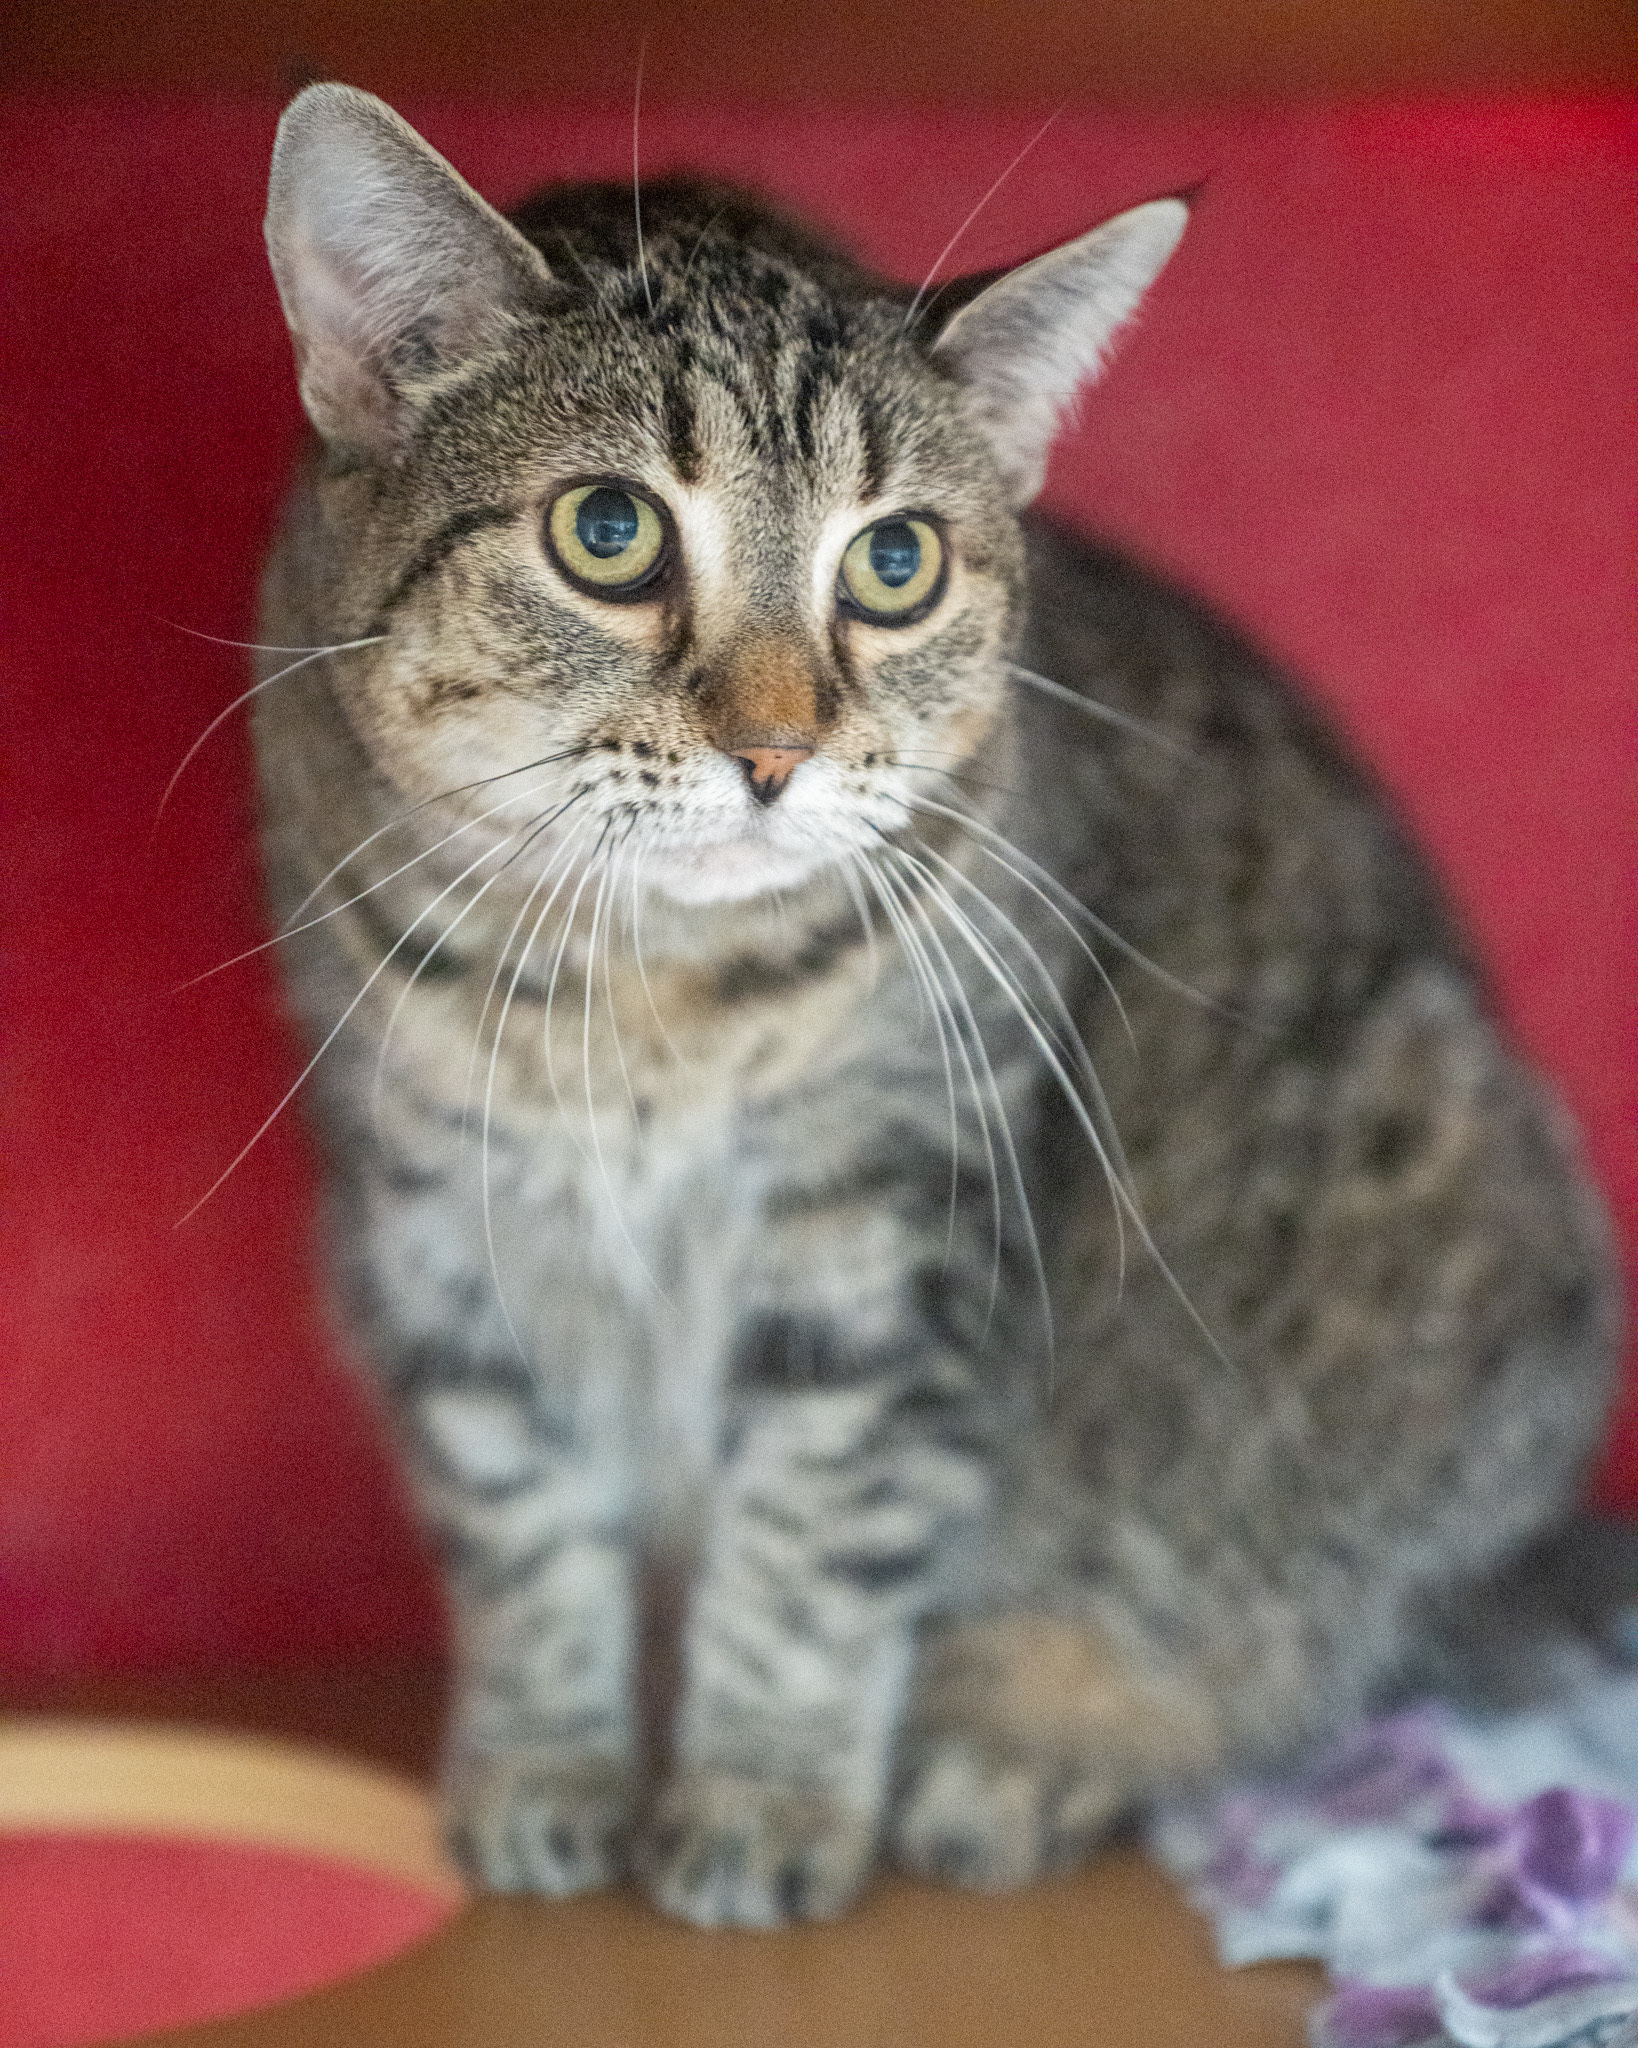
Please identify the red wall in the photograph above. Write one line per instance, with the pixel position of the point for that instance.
(1379, 410)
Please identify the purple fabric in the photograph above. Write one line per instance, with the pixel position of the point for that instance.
(1463, 1879)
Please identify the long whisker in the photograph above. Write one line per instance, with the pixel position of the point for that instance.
(561, 863)
(617, 875)
(1067, 1028)
(1118, 1188)
(1046, 902)
(291, 931)
(1140, 727)
(329, 1039)
(1062, 1029)
(848, 869)
(441, 796)
(606, 883)
(636, 181)
(637, 955)
(542, 822)
(938, 260)
(940, 1007)
(551, 982)
(489, 1092)
(973, 1034)
(1076, 908)
(255, 690)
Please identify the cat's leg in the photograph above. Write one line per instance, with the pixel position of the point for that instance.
(517, 1468)
(841, 1509)
(530, 1527)
(1029, 1734)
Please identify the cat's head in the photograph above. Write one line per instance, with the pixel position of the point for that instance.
(713, 530)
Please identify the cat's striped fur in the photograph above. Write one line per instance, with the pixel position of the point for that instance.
(1049, 1376)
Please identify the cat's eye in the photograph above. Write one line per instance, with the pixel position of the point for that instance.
(607, 539)
(893, 572)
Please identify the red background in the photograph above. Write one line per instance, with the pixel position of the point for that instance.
(1379, 410)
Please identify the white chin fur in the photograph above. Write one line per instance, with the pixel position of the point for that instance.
(728, 873)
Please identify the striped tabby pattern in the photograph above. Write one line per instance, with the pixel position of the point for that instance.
(877, 1070)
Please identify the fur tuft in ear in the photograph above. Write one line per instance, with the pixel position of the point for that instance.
(389, 265)
(1025, 343)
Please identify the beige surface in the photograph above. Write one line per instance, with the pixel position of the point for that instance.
(1110, 1959)
(90, 1777)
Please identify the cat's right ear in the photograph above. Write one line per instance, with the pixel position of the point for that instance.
(389, 266)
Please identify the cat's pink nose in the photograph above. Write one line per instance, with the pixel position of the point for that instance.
(768, 769)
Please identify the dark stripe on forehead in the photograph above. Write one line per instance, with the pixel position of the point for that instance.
(677, 408)
(814, 376)
(436, 550)
(878, 450)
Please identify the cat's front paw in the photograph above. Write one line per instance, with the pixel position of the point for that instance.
(973, 1813)
(525, 1819)
(726, 1851)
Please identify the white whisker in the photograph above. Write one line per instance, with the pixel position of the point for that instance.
(920, 966)
(938, 260)
(1140, 727)
(636, 181)
(1123, 1196)
(974, 1035)
(255, 690)
(329, 1038)
(291, 931)
(485, 1192)
(1077, 908)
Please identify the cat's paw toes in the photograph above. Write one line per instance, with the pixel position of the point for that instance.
(527, 1820)
(977, 1815)
(727, 1851)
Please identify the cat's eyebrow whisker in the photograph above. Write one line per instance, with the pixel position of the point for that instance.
(329, 1039)
(636, 179)
(308, 657)
(1093, 708)
(699, 244)
(938, 260)
(580, 264)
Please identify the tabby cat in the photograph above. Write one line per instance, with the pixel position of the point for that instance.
(876, 1066)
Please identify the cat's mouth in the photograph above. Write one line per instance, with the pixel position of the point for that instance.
(732, 870)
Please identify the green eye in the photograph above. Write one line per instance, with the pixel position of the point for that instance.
(606, 537)
(894, 569)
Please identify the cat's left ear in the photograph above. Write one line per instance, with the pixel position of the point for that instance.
(1026, 342)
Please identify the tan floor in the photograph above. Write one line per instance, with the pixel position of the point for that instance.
(1109, 1959)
